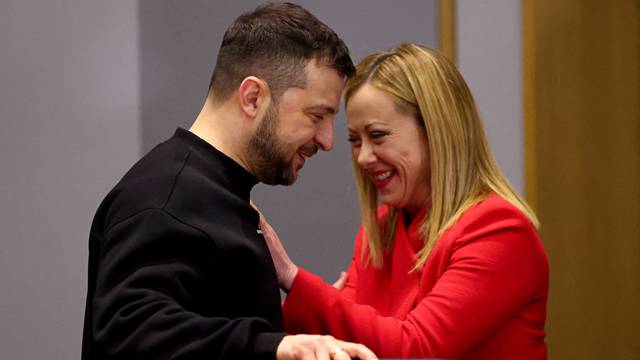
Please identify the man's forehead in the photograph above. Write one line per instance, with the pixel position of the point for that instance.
(319, 70)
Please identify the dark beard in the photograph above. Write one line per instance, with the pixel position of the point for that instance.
(267, 161)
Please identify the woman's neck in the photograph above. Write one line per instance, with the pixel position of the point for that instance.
(409, 214)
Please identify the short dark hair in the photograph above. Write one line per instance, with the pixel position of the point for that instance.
(274, 42)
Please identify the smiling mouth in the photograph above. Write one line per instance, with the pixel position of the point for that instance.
(308, 152)
(304, 155)
(303, 159)
(381, 179)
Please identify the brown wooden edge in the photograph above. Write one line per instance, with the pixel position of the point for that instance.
(447, 28)
(529, 111)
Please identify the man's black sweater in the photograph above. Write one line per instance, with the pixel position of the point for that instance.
(177, 268)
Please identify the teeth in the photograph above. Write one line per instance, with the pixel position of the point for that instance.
(383, 176)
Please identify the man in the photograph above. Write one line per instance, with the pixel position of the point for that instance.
(178, 268)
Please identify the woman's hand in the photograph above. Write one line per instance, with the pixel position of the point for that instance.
(286, 270)
(339, 284)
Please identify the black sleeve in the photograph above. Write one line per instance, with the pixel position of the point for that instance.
(150, 268)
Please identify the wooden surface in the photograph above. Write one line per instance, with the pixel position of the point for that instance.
(582, 137)
(447, 28)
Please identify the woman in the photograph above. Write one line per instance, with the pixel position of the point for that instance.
(450, 265)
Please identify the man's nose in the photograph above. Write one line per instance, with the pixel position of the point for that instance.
(324, 136)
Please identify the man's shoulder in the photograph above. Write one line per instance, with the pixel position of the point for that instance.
(147, 185)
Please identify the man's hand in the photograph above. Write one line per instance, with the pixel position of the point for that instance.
(312, 347)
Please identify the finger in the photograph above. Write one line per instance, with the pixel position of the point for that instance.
(334, 350)
(339, 284)
(303, 350)
(260, 214)
(322, 353)
(266, 226)
(341, 355)
(357, 350)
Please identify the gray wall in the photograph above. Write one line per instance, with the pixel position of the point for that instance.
(69, 112)
(490, 59)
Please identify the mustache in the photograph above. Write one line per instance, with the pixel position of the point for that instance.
(309, 150)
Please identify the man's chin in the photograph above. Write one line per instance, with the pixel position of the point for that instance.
(290, 177)
(280, 174)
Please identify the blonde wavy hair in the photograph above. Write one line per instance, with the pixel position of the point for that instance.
(424, 83)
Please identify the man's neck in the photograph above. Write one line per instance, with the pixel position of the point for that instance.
(215, 125)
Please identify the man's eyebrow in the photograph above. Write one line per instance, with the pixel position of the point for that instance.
(323, 108)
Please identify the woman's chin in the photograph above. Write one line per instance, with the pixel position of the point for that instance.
(390, 202)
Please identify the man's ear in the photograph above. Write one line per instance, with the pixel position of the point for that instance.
(254, 96)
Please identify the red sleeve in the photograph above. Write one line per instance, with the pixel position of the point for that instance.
(496, 265)
(349, 290)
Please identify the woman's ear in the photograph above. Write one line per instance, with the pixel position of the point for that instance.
(254, 96)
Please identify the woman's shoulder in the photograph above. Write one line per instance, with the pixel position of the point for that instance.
(494, 227)
(495, 211)
(491, 218)
(493, 221)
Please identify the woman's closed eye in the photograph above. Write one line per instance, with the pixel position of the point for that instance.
(378, 134)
